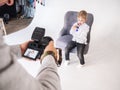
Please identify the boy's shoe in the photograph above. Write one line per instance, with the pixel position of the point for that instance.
(67, 62)
(80, 66)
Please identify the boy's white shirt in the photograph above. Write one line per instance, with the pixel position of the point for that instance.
(80, 36)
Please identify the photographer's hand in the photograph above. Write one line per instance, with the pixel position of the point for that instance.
(49, 48)
(23, 46)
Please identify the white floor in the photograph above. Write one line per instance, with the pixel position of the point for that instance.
(101, 71)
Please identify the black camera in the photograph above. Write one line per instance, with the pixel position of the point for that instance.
(36, 48)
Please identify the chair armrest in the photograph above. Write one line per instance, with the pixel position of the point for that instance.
(63, 32)
(62, 41)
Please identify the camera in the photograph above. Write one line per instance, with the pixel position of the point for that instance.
(36, 48)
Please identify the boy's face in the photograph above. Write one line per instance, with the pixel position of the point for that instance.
(81, 20)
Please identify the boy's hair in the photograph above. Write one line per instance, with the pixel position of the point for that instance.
(82, 14)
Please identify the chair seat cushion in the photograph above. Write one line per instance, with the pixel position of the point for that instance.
(63, 41)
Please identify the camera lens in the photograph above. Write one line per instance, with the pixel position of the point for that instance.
(45, 40)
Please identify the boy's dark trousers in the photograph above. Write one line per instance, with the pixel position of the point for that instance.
(80, 51)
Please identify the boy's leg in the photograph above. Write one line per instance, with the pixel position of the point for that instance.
(80, 52)
(68, 48)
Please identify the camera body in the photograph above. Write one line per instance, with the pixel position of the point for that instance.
(35, 49)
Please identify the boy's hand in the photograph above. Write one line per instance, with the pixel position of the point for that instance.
(75, 26)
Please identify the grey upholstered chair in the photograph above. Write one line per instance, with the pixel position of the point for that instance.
(65, 36)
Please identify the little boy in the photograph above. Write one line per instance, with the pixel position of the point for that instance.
(79, 31)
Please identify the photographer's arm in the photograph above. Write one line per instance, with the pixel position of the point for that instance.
(13, 76)
(48, 74)
(18, 50)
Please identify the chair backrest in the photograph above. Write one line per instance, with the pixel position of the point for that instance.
(69, 19)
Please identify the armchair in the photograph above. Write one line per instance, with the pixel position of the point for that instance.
(64, 37)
